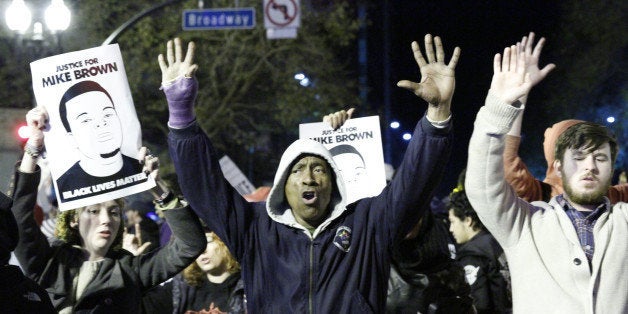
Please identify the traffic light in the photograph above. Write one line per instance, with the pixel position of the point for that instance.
(22, 132)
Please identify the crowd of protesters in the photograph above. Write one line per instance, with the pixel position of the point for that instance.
(502, 242)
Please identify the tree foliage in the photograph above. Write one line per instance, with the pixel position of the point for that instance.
(588, 45)
(248, 101)
(592, 84)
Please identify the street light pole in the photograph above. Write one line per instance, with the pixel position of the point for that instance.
(135, 19)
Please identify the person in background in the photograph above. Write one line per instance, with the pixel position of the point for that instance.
(306, 249)
(86, 269)
(146, 230)
(483, 260)
(423, 277)
(212, 284)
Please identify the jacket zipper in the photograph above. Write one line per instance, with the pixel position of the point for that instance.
(311, 296)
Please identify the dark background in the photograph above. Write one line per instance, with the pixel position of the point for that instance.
(481, 29)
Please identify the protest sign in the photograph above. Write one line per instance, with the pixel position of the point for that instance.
(357, 151)
(235, 176)
(93, 136)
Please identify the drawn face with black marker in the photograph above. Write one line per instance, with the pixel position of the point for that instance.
(95, 126)
(351, 163)
(352, 167)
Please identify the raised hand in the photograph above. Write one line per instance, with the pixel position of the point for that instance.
(338, 118)
(176, 66)
(151, 168)
(438, 80)
(36, 120)
(133, 242)
(532, 58)
(151, 163)
(510, 81)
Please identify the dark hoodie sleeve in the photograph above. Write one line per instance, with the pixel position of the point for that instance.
(32, 250)
(204, 186)
(408, 195)
(188, 242)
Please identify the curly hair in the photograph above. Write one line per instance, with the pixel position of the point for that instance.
(194, 275)
(66, 233)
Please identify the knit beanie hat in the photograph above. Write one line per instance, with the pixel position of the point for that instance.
(549, 144)
(8, 229)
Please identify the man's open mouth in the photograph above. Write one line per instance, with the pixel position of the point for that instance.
(309, 195)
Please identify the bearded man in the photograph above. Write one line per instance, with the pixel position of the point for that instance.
(565, 256)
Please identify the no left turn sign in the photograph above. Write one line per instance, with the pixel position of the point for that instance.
(281, 13)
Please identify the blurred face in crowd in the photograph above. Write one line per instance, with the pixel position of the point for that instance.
(214, 259)
(461, 229)
(586, 174)
(98, 226)
(308, 190)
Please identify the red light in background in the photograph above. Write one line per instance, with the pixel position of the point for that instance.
(23, 132)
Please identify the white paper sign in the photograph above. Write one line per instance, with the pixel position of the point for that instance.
(93, 137)
(235, 176)
(357, 150)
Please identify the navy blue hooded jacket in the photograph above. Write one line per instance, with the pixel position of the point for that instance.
(344, 265)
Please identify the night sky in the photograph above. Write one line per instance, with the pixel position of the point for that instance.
(480, 29)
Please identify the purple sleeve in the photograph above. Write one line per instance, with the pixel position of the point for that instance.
(180, 96)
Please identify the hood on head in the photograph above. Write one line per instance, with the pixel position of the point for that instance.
(549, 144)
(276, 204)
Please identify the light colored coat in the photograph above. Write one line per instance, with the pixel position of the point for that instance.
(548, 267)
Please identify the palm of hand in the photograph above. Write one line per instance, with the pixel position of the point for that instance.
(533, 70)
(176, 70)
(437, 82)
(509, 86)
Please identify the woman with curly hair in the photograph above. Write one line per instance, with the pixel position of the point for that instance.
(212, 284)
(85, 269)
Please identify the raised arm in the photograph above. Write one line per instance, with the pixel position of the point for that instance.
(487, 190)
(438, 79)
(421, 170)
(33, 249)
(195, 159)
(188, 239)
(516, 172)
(178, 82)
